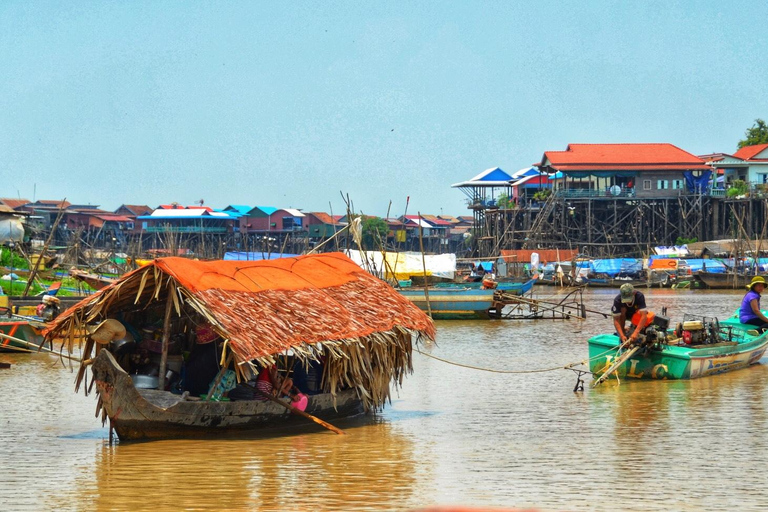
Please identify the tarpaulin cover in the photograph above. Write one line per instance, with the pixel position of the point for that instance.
(613, 266)
(700, 264)
(675, 250)
(698, 184)
(487, 265)
(663, 264)
(545, 255)
(406, 264)
(255, 256)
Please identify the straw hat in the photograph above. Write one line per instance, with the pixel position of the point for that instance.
(106, 331)
(756, 280)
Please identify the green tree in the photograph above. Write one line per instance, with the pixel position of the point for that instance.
(683, 241)
(374, 230)
(738, 188)
(503, 201)
(758, 134)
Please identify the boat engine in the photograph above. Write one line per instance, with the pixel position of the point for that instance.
(699, 332)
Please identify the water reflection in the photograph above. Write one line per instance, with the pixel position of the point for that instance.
(451, 436)
(363, 470)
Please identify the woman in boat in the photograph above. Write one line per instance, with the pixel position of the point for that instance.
(749, 312)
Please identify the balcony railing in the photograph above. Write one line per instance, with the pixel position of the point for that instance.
(585, 192)
(184, 229)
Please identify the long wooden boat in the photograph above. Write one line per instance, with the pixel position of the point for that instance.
(95, 281)
(465, 301)
(22, 328)
(599, 282)
(152, 414)
(723, 280)
(673, 361)
(247, 316)
(453, 303)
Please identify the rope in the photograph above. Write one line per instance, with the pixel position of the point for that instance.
(540, 370)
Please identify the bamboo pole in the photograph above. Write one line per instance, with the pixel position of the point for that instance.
(424, 267)
(615, 366)
(39, 348)
(166, 338)
(45, 247)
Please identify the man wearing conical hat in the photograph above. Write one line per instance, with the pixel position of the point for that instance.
(749, 312)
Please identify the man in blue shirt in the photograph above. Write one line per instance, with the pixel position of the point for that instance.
(749, 312)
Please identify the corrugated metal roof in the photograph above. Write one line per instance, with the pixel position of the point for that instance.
(14, 203)
(493, 177)
(185, 213)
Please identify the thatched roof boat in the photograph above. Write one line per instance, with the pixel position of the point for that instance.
(314, 307)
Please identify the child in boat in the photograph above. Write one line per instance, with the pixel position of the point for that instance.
(269, 380)
(749, 312)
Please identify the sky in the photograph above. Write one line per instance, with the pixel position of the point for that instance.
(291, 104)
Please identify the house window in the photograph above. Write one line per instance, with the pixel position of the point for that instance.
(677, 184)
(662, 184)
(646, 184)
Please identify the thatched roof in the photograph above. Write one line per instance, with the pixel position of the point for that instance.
(262, 308)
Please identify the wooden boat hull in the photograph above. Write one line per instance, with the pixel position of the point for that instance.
(465, 301)
(152, 414)
(95, 281)
(453, 303)
(21, 329)
(722, 280)
(677, 362)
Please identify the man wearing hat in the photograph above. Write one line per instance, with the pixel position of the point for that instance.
(749, 312)
(629, 304)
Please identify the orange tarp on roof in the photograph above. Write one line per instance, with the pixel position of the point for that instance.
(545, 255)
(264, 307)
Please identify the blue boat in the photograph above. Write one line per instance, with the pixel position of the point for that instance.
(454, 301)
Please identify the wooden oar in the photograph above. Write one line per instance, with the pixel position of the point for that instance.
(300, 412)
(615, 366)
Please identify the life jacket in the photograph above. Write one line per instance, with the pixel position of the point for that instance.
(636, 318)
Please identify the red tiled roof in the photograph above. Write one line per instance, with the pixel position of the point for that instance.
(114, 218)
(323, 217)
(90, 211)
(53, 202)
(662, 156)
(748, 152)
(137, 209)
(435, 220)
(14, 203)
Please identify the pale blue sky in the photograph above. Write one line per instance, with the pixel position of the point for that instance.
(288, 103)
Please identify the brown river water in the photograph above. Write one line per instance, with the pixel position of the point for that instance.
(452, 435)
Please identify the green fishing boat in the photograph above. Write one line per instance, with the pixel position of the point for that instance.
(20, 328)
(709, 347)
